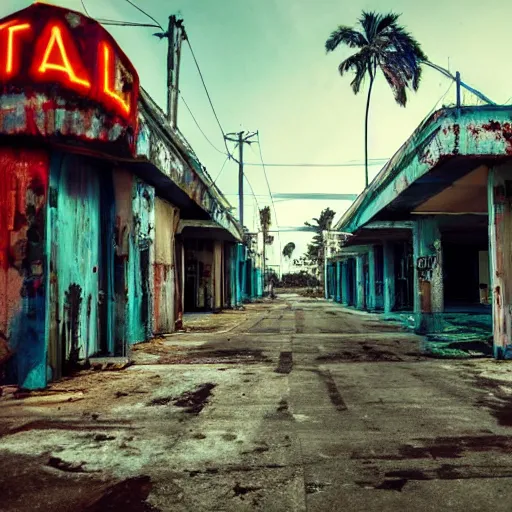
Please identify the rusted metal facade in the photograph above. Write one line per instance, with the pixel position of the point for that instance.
(93, 184)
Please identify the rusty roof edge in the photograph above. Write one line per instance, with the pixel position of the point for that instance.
(186, 152)
(182, 143)
(408, 148)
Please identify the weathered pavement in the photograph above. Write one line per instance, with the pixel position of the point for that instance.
(298, 405)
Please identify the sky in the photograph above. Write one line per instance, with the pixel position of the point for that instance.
(266, 70)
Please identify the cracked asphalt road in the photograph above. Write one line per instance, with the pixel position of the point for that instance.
(297, 405)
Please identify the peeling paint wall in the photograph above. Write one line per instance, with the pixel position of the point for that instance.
(389, 277)
(471, 131)
(23, 272)
(166, 222)
(82, 241)
(428, 276)
(41, 115)
(140, 267)
(182, 168)
(360, 282)
(500, 240)
(218, 264)
(75, 261)
(123, 190)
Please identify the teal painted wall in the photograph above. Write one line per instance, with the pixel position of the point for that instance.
(428, 288)
(338, 281)
(75, 261)
(140, 265)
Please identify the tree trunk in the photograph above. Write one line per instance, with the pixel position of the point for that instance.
(366, 132)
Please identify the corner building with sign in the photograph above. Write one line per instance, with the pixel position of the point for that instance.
(99, 200)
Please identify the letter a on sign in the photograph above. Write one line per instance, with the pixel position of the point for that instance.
(60, 56)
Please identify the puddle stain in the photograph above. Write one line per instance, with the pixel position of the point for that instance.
(285, 363)
(368, 354)
(221, 356)
(444, 448)
(61, 425)
(193, 402)
(332, 390)
(396, 480)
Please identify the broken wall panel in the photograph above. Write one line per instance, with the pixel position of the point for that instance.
(123, 191)
(166, 222)
(23, 273)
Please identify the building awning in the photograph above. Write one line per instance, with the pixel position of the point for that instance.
(205, 229)
(447, 146)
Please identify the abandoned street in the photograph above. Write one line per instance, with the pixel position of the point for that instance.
(291, 405)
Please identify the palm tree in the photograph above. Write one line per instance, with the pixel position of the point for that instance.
(288, 250)
(383, 44)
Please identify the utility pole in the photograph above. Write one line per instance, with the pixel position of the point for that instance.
(175, 35)
(241, 139)
(170, 66)
(241, 177)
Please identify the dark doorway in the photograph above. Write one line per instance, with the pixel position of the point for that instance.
(460, 274)
(404, 272)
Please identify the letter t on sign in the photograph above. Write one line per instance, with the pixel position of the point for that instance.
(12, 28)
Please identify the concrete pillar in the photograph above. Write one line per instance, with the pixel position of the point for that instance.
(428, 276)
(338, 281)
(344, 282)
(217, 275)
(389, 277)
(371, 300)
(360, 283)
(238, 274)
(500, 241)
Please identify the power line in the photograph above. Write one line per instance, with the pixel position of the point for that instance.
(85, 8)
(221, 169)
(200, 129)
(119, 23)
(145, 14)
(377, 161)
(208, 95)
(255, 199)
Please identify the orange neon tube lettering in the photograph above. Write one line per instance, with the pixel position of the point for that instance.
(107, 53)
(12, 29)
(10, 44)
(65, 67)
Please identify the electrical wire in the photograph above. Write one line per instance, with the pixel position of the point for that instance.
(208, 95)
(258, 220)
(377, 161)
(119, 23)
(85, 8)
(221, 169)
(200, 129)
(145, 14)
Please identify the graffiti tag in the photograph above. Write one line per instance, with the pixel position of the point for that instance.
(426, 266)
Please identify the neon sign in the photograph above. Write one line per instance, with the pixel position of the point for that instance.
(45, 46)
